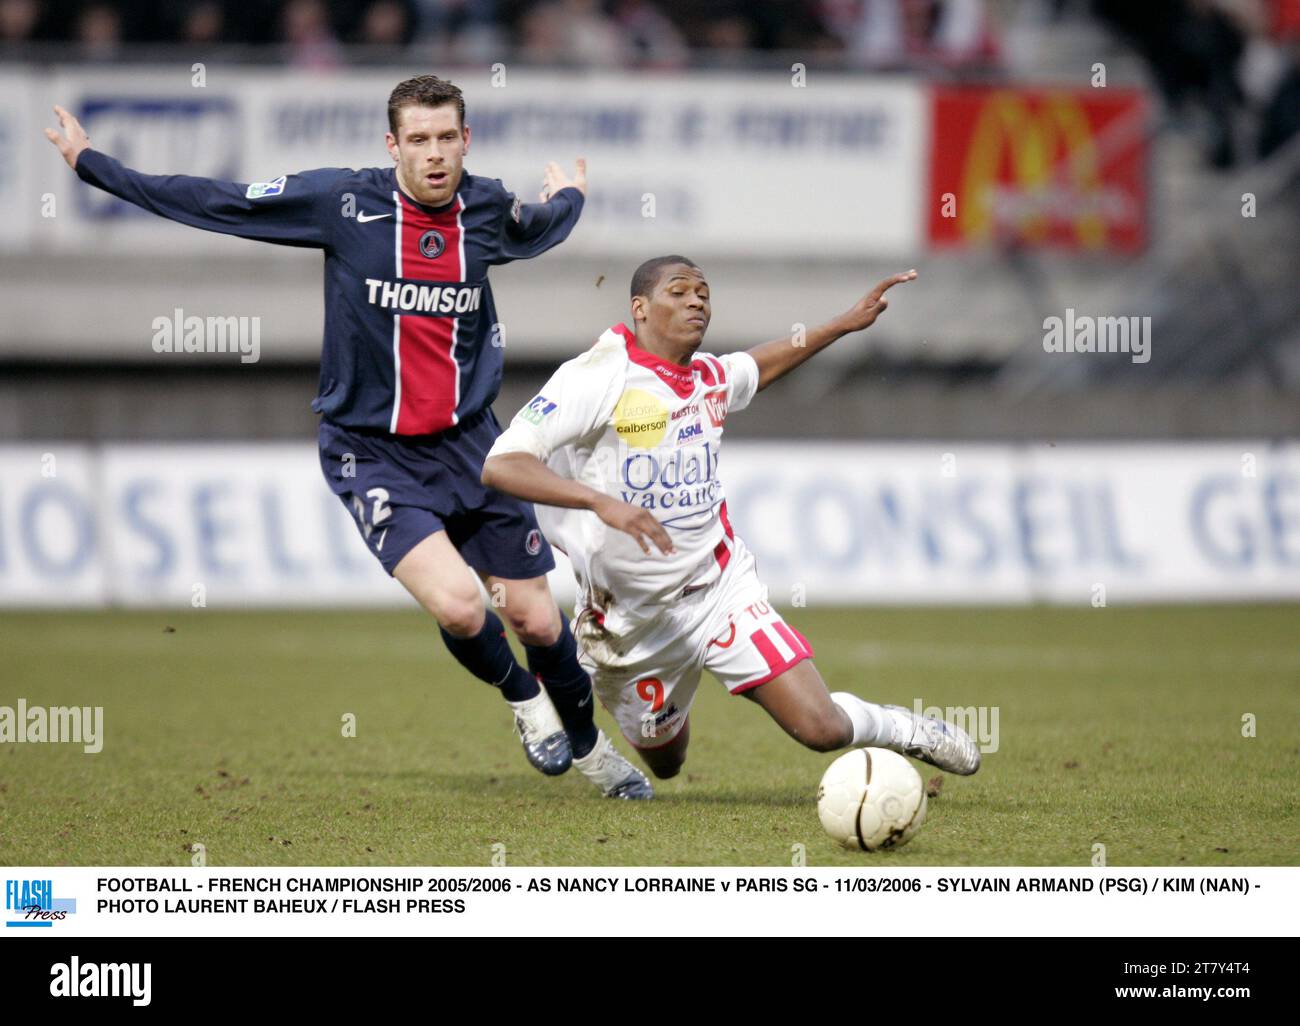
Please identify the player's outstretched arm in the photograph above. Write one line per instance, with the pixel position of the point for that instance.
(533, 228)
(288, 211)
(526, 477)
(779, 357)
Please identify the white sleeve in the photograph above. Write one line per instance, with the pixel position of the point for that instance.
(572, 406)
(742, 377)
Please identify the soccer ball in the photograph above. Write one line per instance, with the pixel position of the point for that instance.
(870, 799)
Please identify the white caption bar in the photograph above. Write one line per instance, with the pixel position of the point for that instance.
(491, 901)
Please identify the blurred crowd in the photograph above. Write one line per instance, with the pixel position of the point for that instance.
(582, 32)
(1228, 69)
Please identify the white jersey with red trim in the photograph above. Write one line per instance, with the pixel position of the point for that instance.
(646, 432)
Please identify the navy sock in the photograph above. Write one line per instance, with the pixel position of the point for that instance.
(487, 655)
(569, 687)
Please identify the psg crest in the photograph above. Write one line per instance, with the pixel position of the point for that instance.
(432, 244)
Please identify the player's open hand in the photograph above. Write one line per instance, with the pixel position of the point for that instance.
(873, 304)
(555, 179)
(637, 522)
(73, 140)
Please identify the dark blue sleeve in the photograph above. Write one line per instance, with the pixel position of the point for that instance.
(293, 210)
(533, 228)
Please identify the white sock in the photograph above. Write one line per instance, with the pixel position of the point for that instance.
(872, 725)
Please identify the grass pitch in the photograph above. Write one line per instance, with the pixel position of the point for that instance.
(1115, 726)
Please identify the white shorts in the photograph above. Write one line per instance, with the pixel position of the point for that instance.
(727, 628)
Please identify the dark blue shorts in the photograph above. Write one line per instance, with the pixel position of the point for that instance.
(401, 489)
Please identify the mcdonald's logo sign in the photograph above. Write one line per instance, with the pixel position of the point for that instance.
(1059, 168)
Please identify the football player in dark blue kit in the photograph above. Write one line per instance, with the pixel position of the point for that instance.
(411, 362)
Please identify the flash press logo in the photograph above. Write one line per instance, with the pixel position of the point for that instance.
(75, 978)
(32, 903)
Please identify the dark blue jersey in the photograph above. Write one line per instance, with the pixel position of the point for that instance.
(412, 344)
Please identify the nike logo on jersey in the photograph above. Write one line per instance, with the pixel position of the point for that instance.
(363, 218)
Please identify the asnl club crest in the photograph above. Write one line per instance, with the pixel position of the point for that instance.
(31, 903)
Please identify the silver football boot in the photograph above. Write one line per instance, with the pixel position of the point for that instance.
(934, 741)
(539, 728)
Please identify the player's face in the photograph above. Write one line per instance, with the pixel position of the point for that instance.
(429, 148)
(678, 310)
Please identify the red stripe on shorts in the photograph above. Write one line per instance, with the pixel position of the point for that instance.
(775, 664)
(796, 641)
(767, 650)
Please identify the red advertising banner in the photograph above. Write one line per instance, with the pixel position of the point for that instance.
(1039, 167)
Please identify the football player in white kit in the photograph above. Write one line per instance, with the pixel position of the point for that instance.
(620, 454)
